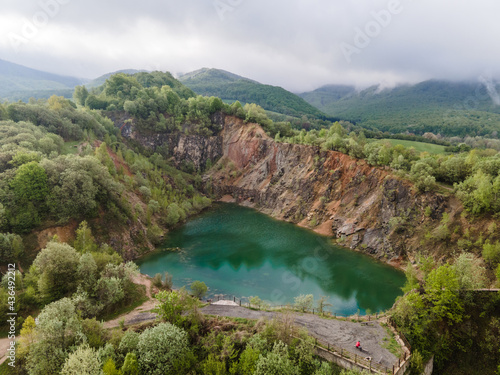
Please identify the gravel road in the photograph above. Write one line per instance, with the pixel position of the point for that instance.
(341, 333)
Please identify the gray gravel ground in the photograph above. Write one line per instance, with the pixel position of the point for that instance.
(341, 333)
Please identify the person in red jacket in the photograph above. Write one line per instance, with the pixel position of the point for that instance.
(358, 345)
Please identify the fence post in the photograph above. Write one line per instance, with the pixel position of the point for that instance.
(355, 358)
(240, 302)
(341, 352)
(234, 299)
(328, 346)
(392, 369)
(370, 365)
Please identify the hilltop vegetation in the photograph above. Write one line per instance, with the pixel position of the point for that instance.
(231, 87)
(439, 107)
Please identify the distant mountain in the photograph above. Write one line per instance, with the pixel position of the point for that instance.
(102, 79)
(231, 87)
(20, 82)
(448, 108)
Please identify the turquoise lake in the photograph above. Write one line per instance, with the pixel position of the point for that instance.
(240, 252)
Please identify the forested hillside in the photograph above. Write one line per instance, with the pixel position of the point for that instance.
(18, 82)
(440, 107)
(231, 87)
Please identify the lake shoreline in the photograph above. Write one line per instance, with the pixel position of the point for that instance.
(324, 229)
(240, 251)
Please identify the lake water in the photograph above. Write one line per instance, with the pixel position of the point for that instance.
(240, 252)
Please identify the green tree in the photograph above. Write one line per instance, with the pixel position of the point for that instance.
(246, 363)
(491, 253)
(130, 365)
(11, 247)
(30, 183)
(80, 95)
(83, 361)
(213, 365)
(304, 302)
(276, 362)
(422, 175)
(172, 304)
(174, 214)
(322, 303)
(411, 279)
(57, 330)
(129, 342)
(199, 289)
(470, 273)
(477, 193)
(56, 267)
(160, 347)
(87, 273)
(84, 241)
(109, 368)
(442, 290)
(255, 301)
(497, 273)
(324, 369)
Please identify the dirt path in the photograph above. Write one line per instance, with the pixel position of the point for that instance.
(341, 333)
(139, 314)
(4, 346)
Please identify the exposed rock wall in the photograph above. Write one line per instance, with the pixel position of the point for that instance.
(365, 207)
(185, 149)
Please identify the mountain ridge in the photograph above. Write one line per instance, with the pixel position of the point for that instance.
(438, 106)
(231, 87)
(18, 80)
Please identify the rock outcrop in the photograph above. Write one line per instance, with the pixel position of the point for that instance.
(364, 207)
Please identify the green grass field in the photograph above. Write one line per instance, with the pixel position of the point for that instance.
(70, 147)
(419, 146)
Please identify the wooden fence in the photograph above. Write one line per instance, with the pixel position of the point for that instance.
(354, 359)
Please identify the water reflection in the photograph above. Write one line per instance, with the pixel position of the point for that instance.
(241, 252)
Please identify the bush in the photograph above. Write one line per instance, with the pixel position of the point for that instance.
(491, 253)
(304, 302)
(160, 348)
(128, 343)
(199, 289)
(276, 362)
(84, 361)
(130, 365)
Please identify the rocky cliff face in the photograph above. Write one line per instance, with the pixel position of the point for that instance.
(363, 207)
(185, 149)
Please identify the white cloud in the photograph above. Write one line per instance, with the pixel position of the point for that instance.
(294, 44)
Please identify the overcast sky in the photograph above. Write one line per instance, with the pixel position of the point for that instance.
(297, 44)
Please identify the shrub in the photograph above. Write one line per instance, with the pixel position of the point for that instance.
(276, 362)
(160, 348)
(304, 302)
(491, 253)
(199, 289)
(83, 361)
